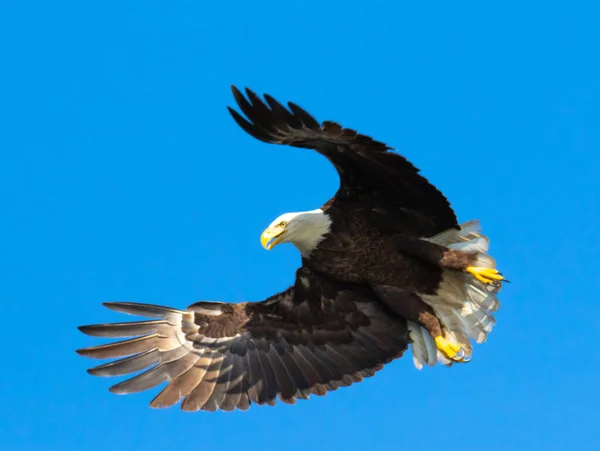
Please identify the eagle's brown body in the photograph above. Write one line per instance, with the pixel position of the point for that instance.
(391, 263)
(355, 251)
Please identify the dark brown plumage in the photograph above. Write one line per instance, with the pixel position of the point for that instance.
(393, 260)
(380, 211)
(383, 185)
(314, 337)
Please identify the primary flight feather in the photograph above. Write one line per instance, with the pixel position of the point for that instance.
(385, 265)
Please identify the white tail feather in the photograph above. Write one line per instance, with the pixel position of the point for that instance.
(419, 347)
(423, 346)
(432, 351)
(464, 305)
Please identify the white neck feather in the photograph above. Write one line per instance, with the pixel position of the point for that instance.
(307, 229)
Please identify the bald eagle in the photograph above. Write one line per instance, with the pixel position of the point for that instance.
(385, 266)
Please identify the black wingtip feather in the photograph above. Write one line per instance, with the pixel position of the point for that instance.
(269, 121)
(236, 92)
(249, 127)
(304, 116)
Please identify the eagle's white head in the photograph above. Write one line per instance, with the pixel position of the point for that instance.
(305, 230)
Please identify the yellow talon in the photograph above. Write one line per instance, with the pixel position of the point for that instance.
(452, 351)
(485, 275)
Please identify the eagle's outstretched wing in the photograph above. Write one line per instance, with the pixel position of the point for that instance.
(312, 338)
(371, 176)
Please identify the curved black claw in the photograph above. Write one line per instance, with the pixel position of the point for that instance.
(460, 356)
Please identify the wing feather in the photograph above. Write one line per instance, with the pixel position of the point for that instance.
(309, 339)
(200, 395)
(369, 172)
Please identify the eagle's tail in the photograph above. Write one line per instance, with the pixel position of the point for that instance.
(464, 305)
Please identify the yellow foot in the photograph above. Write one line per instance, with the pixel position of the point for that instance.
(486, 275)
(452, 351)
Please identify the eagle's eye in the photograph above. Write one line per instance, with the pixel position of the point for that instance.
(282, 224)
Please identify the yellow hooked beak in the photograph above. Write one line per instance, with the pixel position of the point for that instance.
(271, 237)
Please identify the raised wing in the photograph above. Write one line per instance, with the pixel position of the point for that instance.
(312, 338)
(378, 179)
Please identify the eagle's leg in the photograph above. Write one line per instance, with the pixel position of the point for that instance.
(453, 259)
(467, 262)
(413, 308)
(426, 318)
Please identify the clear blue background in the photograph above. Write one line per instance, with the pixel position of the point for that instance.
(122, 177)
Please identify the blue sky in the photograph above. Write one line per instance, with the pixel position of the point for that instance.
(122, 177)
